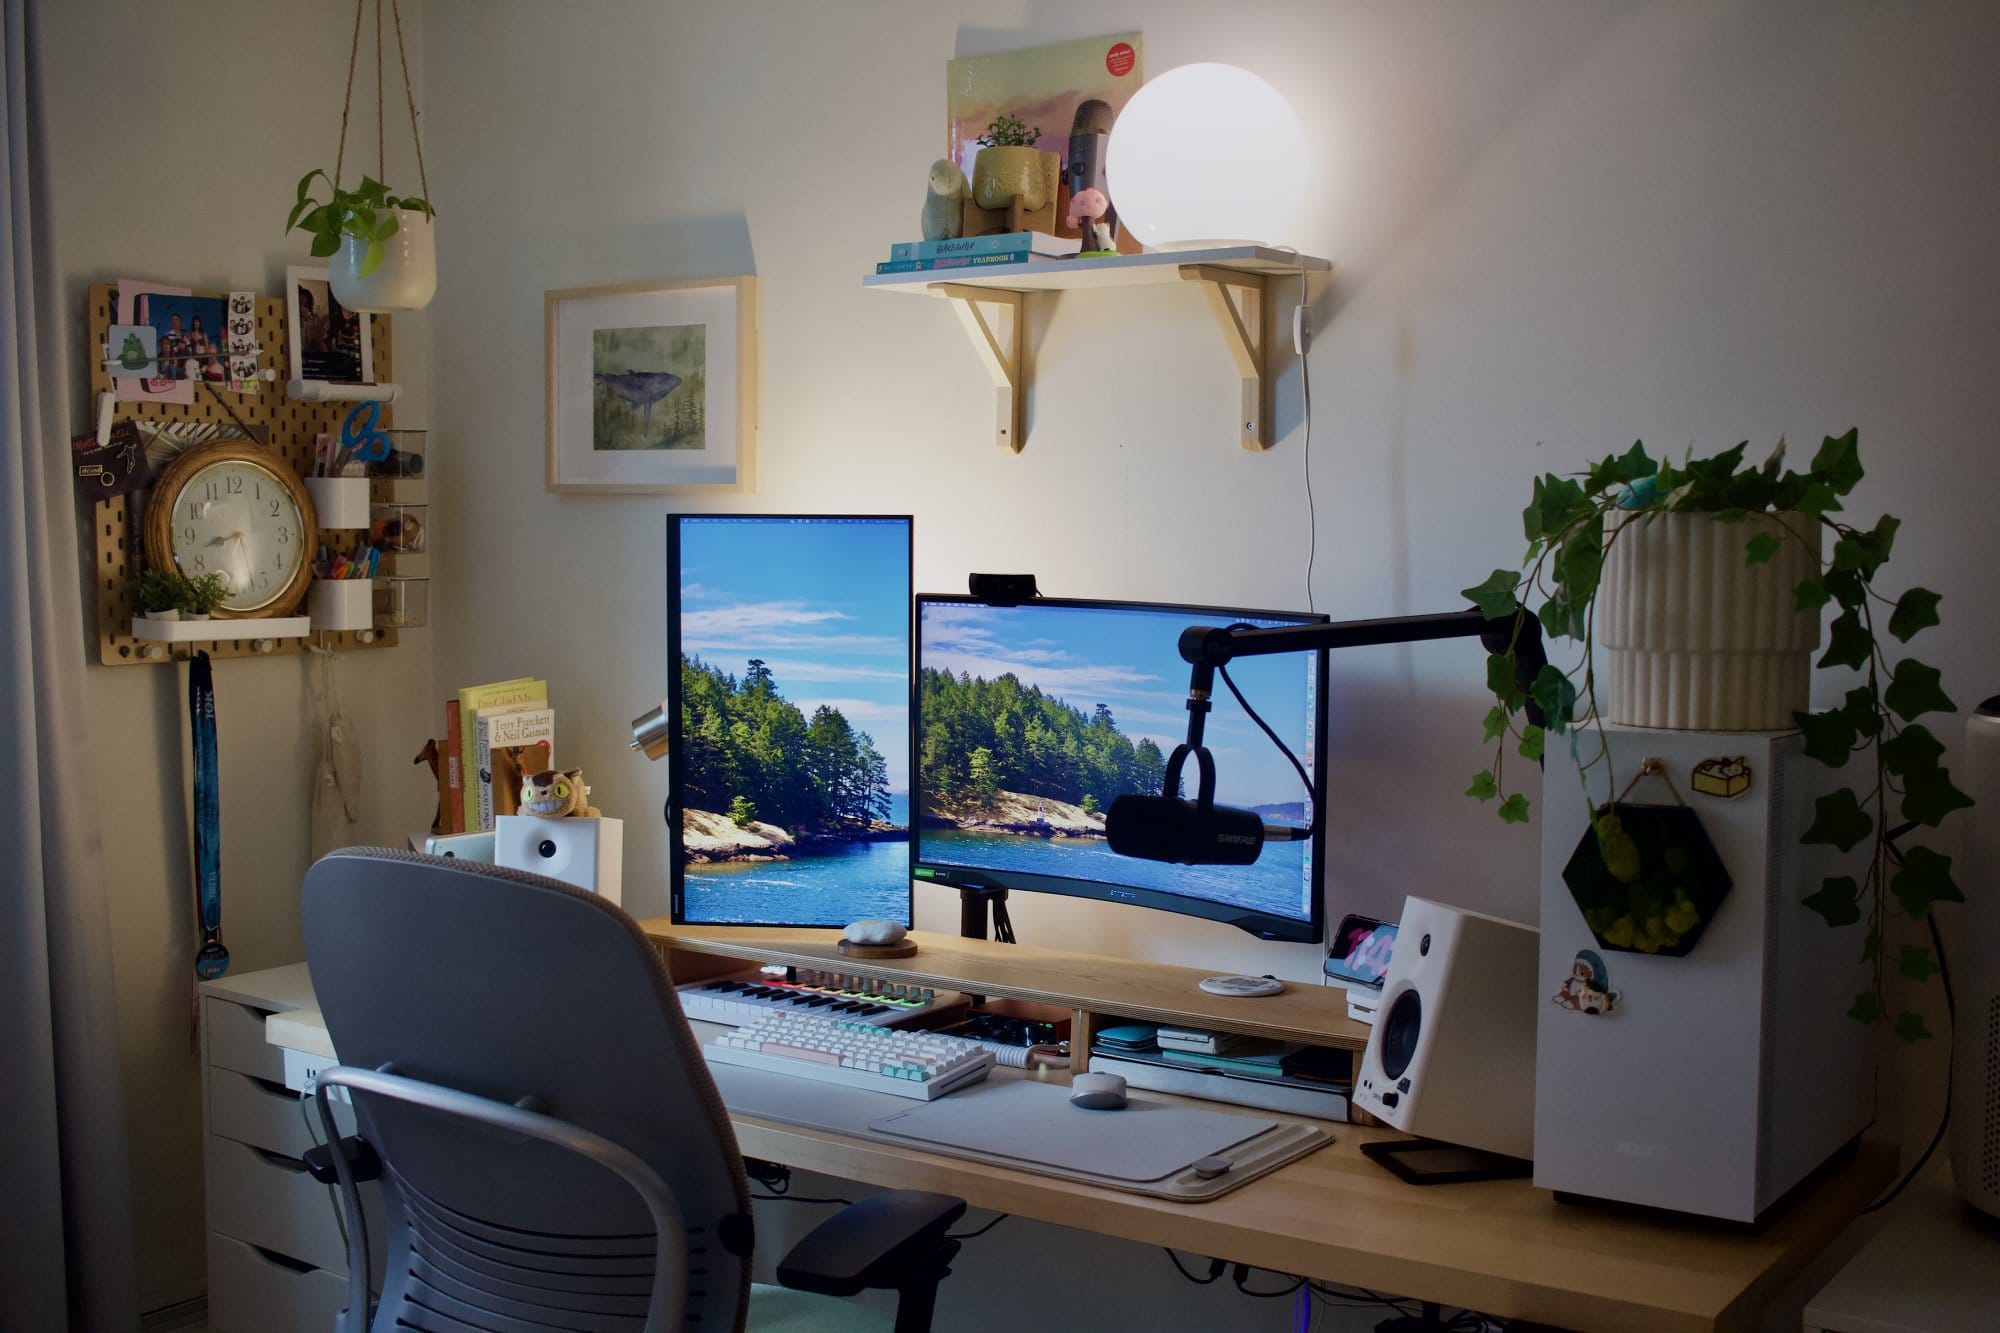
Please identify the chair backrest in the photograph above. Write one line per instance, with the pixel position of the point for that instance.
(512, 986)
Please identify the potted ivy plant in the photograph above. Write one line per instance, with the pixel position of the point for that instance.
(381, 249)
(158, 593)
(1773, 519)
(1008, 166)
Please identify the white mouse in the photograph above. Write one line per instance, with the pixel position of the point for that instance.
(1097, 1092)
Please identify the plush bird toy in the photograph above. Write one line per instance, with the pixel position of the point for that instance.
(944, 200)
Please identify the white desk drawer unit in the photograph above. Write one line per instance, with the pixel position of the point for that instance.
(276, 1260)
(267, 1115)
(257, 1291)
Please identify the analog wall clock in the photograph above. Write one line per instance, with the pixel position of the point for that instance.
(235, 509)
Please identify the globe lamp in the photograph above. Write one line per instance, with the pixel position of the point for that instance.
(1207, 155)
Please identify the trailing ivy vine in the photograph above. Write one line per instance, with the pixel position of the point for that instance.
(1572, 523)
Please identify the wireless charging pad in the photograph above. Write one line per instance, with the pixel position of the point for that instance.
(1242, 987)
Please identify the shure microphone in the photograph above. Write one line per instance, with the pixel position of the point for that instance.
(1088, 135)
(1169, 828)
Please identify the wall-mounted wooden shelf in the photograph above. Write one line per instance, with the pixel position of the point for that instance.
(1243, 284)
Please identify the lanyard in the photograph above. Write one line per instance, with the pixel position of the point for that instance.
(213, 960)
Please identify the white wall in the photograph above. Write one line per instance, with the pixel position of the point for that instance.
(179, 132)
(1557, 228)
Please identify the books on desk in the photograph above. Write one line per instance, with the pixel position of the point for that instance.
(1269, 1075)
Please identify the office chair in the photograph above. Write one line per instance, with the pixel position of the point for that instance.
(551, 1150)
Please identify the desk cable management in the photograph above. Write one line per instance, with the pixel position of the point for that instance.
(1333, 1296)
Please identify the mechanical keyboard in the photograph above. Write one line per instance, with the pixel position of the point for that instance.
(749, 996)
(855, 1054)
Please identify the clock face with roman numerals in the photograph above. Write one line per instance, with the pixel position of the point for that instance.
(236, 511)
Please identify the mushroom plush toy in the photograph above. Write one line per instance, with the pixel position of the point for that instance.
(1086, 208)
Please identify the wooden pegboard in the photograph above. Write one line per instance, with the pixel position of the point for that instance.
(287, 428)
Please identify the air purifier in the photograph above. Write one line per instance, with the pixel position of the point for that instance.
(1975, 967)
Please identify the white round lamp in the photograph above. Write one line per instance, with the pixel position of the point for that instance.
(1207, 155)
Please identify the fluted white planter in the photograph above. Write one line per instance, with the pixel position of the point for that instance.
(1692, 637)
(406, 279)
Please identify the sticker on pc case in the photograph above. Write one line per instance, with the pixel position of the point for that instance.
(1725, 776)
(1588, 987)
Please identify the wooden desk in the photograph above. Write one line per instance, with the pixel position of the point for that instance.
(1501, 1247)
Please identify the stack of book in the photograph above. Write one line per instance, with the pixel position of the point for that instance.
(1013, 247)
(1227, 1067)
(492, 735)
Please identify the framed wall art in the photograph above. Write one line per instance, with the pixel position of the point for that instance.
(652, 386)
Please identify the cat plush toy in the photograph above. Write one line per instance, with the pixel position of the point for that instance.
(557, 793)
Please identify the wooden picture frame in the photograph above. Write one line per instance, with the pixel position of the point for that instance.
(652, 387)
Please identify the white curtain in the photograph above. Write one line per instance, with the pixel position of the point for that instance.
(66, 1260)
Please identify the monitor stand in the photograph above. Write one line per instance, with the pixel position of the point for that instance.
(973, 907)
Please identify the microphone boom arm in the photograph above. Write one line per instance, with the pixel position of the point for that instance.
(1208, 647)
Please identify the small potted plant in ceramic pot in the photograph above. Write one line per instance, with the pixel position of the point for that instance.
(1703, 583)
(380, 247)
(201, 595)
(1009, 166)
(158, 593)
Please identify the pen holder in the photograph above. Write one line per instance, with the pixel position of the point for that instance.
(406, 455)
(339, 502)
(341, 604)
(401, 603)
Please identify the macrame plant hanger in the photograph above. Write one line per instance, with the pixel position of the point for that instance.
(386, 249)
(381, 121)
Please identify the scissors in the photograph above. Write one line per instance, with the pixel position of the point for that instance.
(360, 433)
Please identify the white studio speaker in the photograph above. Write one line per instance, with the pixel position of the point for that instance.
(589, 853)
(1452, 1054)
(1975, 1075)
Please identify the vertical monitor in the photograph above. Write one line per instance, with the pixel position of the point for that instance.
(789, 640)
(1032, 718)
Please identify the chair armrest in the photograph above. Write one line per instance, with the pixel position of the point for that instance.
(873, 1243)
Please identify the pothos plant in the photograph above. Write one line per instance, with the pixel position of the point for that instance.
(1009, 132)
(1572, 522)
(367, 213)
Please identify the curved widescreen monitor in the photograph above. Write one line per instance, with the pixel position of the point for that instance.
(789, 716)
(1032, 718)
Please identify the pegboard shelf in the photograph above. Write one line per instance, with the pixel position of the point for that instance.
(197, 631)
(287, 428)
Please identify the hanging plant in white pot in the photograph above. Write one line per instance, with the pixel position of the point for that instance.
(381, 246)
(381, 250)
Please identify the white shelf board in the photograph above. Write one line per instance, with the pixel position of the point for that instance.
(204, 631)
(1051, 275)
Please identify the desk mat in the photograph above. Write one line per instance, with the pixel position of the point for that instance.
(1021, 1122)
(1259, 1146)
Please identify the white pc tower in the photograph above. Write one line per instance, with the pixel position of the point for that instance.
(1975, 1075)
(1715, 1082)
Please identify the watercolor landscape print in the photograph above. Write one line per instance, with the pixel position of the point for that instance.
(649, 388)
(793, 696)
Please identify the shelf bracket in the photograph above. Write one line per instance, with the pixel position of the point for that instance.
(1248, 318)
(1005, 358)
